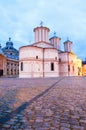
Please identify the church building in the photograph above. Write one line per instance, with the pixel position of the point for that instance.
(44, 58)
(9, 60)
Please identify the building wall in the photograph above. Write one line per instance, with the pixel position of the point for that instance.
(84, 69)
(9, 67)
(37, 62)
(12, 68)
(69, 64)
(2, 65)
(63, 64)
(51, 56)
(31, 57)
(79, 67)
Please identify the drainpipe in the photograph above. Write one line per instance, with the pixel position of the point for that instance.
(68, 62)
(43, 62)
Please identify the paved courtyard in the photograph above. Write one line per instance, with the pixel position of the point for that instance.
(43, 104)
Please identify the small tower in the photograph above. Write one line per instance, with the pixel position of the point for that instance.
(9, 44)
(41, 33)
(55, 41)
(68, 46)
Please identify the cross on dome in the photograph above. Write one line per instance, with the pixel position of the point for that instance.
(54, 33)
(41, 23)
(9, 38)
(67, 38)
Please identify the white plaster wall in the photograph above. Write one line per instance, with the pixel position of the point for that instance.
(65, 61)
(49, 57)
(50, 54)
(64, 69)
(63, 65)
(30, 52)
(42, 67)
(33, 67)
(47, 69)
(63, 57)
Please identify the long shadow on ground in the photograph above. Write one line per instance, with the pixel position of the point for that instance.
(24, 105)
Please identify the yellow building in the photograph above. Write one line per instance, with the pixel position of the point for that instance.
(84, 68)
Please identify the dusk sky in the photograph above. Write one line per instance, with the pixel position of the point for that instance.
(18, 18)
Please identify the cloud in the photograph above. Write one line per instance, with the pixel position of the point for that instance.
(67, 18)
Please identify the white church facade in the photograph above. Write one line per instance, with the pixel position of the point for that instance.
(45, 59)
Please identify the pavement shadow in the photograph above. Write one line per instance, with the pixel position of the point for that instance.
(9, 116)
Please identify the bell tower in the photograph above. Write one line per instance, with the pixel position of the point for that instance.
(68, 46)
(55, 41)
(41, 33)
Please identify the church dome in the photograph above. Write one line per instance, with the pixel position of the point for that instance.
(9, 44)
(10, 51)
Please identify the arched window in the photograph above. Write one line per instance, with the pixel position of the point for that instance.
(59, 60)
(52, 66)
(36, 57)
(68, 67)
(21, 66)
(55, 58)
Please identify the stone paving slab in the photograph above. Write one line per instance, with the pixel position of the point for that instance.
(43, 104)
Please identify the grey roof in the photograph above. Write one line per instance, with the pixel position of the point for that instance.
(16, 57)
(10, 49)
(67, 41)
(54, 37)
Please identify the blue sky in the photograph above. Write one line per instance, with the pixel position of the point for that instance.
(18, 18)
